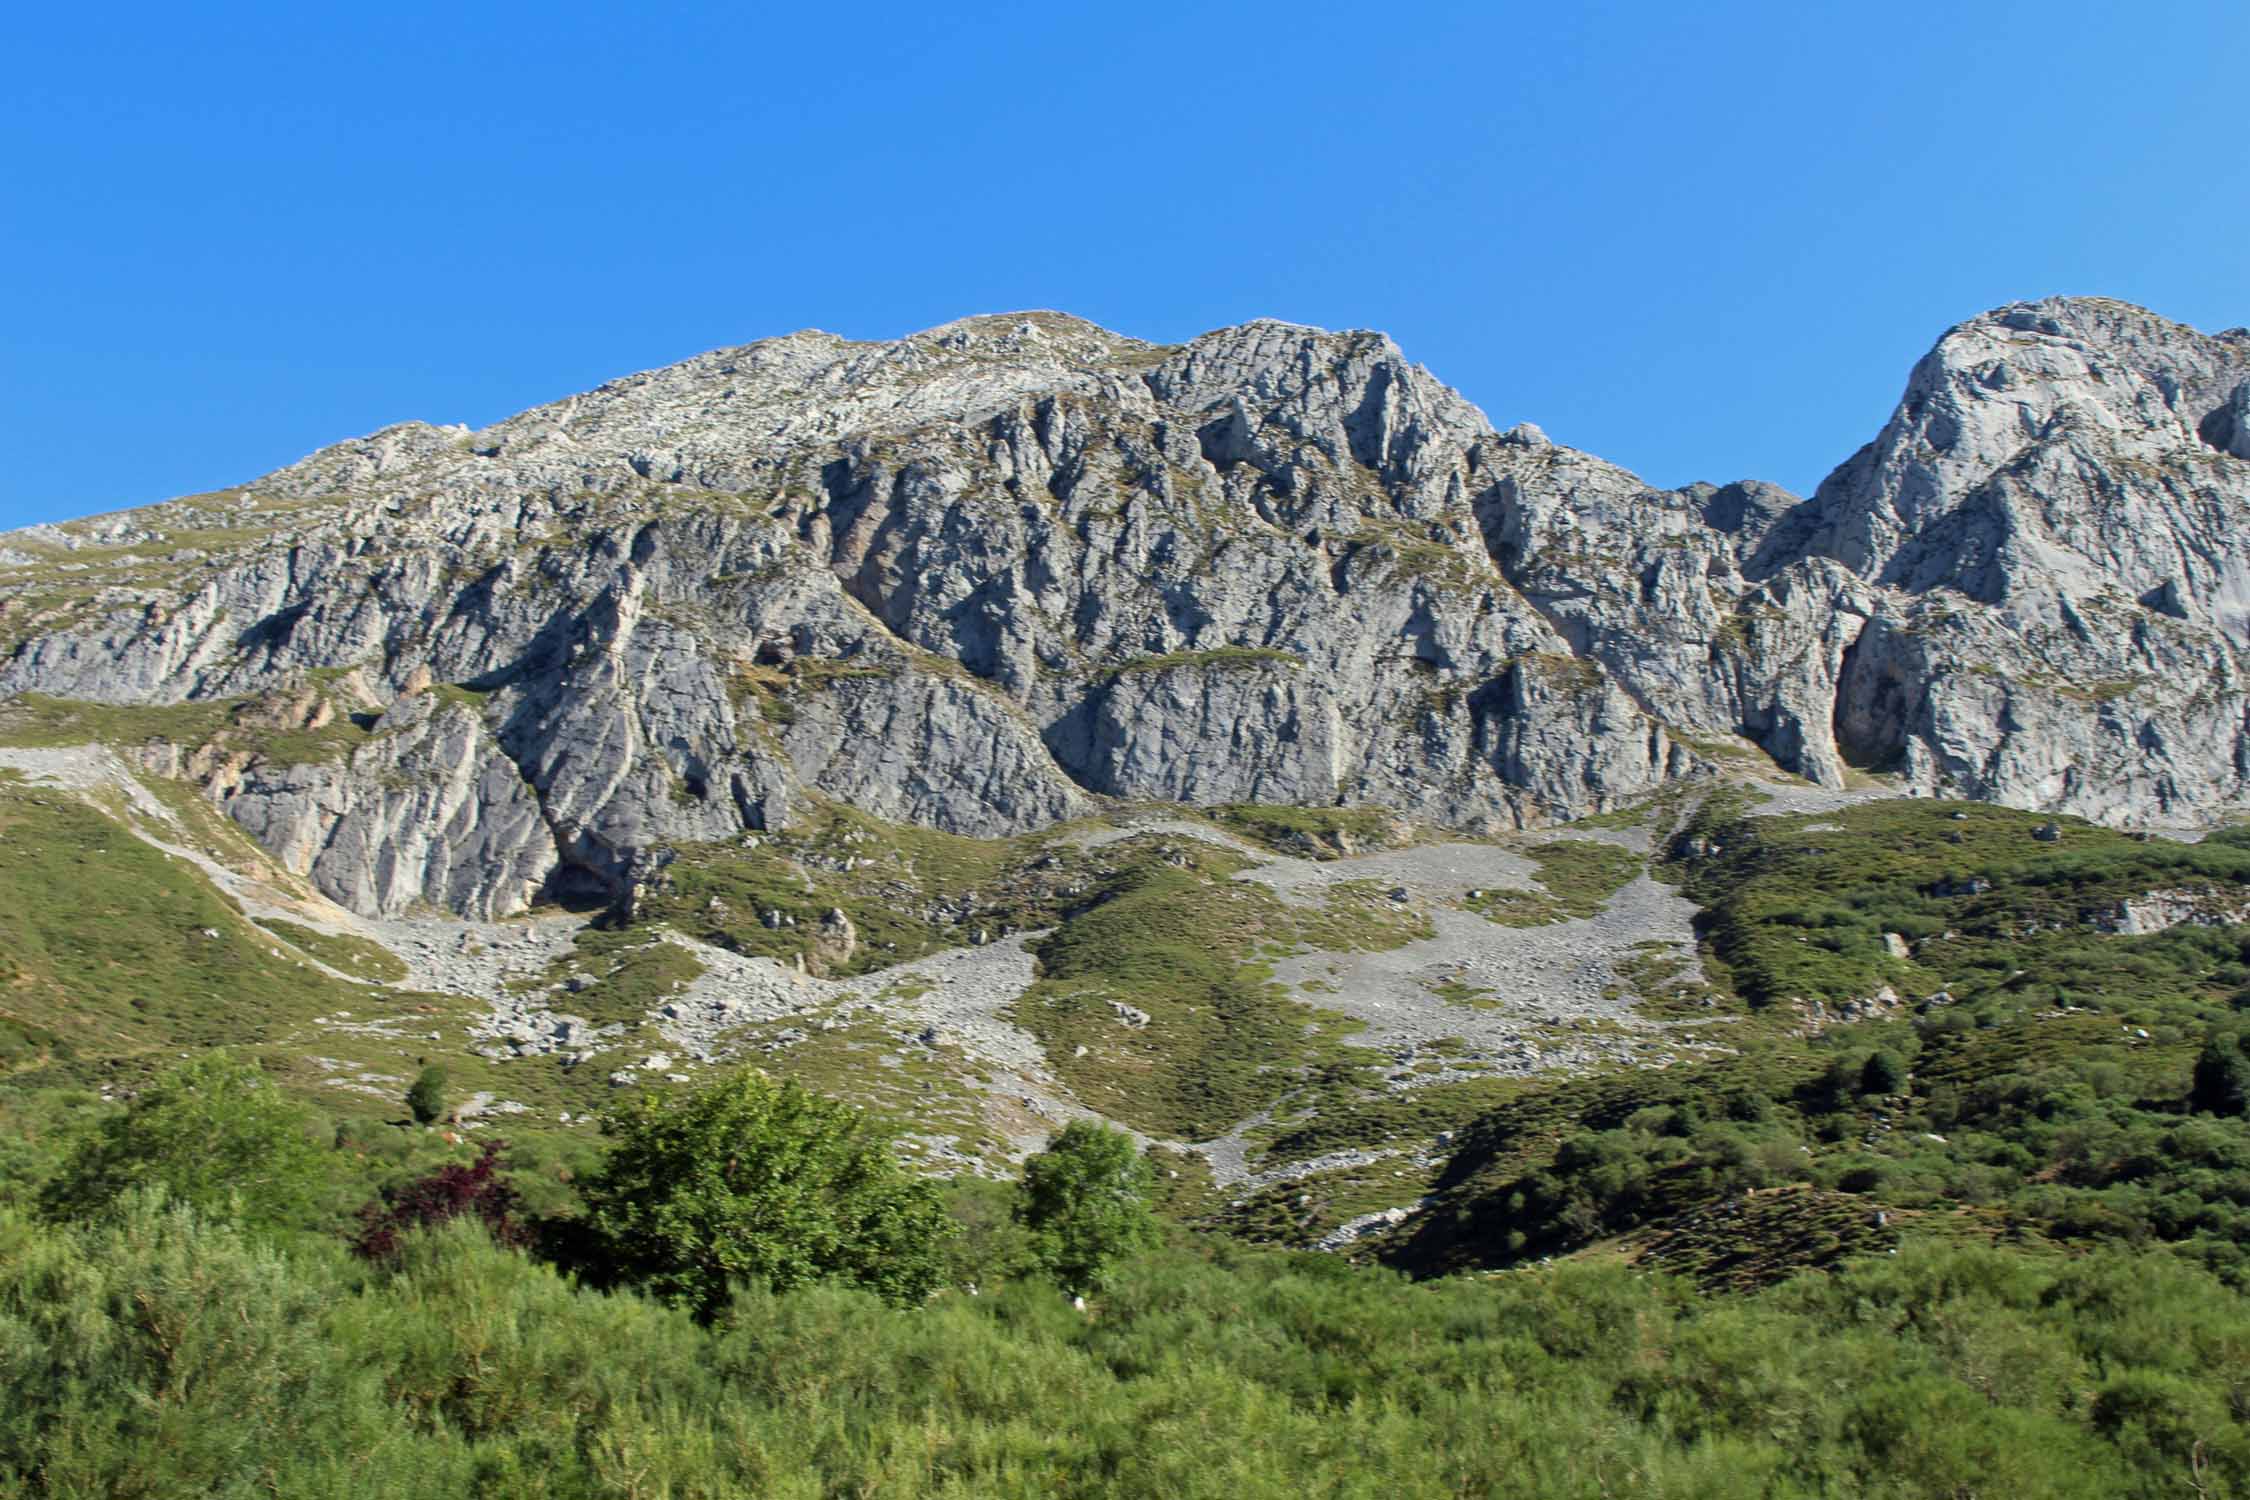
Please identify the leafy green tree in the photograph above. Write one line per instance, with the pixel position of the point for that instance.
(1085, 1201)
(749, 1180)
(214, 1133)
(427, 1096)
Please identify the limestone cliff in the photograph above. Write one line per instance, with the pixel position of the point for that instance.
(983, 577)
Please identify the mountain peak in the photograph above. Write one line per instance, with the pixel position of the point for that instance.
(990, 574)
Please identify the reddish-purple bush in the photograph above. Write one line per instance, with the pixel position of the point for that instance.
(449, 1192)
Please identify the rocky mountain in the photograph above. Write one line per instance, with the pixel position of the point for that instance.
(1015, 569)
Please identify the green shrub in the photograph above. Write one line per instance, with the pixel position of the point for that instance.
(746, 1180)
(158, 1353)
(1085, 1201)
(2221, 1084)
(212, 1133)
(1884, 1072)
(425, 1099)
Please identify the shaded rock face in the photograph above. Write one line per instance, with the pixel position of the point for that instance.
(430, 812)
(982, 578)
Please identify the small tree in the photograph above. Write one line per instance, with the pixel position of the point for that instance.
(2221, 1085)
(1883, 1073)
(426, 1099)
(1085, 1201)
(448, 1193)
(212, 1132)
(747, 1179)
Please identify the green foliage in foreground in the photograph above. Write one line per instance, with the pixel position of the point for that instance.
(161, 1354)
(213, 1133)
(748, 1180)
(1085, 1201)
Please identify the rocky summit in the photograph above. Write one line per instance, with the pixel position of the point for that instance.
(1016, 569)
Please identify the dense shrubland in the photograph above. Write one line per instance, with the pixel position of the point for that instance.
(2025, 1173)
(172, 1354)
(172, 1338)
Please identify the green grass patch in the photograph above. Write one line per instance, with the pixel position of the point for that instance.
(633, 971)
(1578, 875)
(1663, 987)
(1455, 992)
(928, 1090)
(1217, 658)
(355, 956)
(116, 957)
(1171, 938)
(907, 892)
(36, 721)
(1314, 832)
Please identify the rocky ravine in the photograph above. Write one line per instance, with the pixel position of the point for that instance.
(988, 576)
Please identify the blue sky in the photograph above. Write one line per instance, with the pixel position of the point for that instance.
(1702, 241)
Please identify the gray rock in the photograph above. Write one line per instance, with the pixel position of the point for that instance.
(981, 578)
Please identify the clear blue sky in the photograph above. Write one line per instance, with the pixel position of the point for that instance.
(1702, 241)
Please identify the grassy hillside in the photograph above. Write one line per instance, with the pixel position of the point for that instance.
(2008, 1144)
(1931, 1029)
(111, 949)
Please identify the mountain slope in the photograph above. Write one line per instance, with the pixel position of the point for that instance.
(985, 577)
(1017, 722)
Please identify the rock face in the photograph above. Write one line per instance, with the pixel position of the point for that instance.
(2056, 518)
(981, 578)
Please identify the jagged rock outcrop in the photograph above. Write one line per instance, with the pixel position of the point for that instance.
(2057, 541)
(980, 578)
(427, 812)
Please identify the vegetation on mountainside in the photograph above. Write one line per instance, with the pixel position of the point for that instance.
(1216, 658)
(268, 725)
(165, 1354)
(1577, 877)
(117, 958)
(113, 951)
(2014, 1074)
(155, 1348)
(1799, 908)
(907, 892)
(356, 957)
(1312, 832)
(1155, 1000)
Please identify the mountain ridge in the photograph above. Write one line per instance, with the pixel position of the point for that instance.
(1002, 572)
